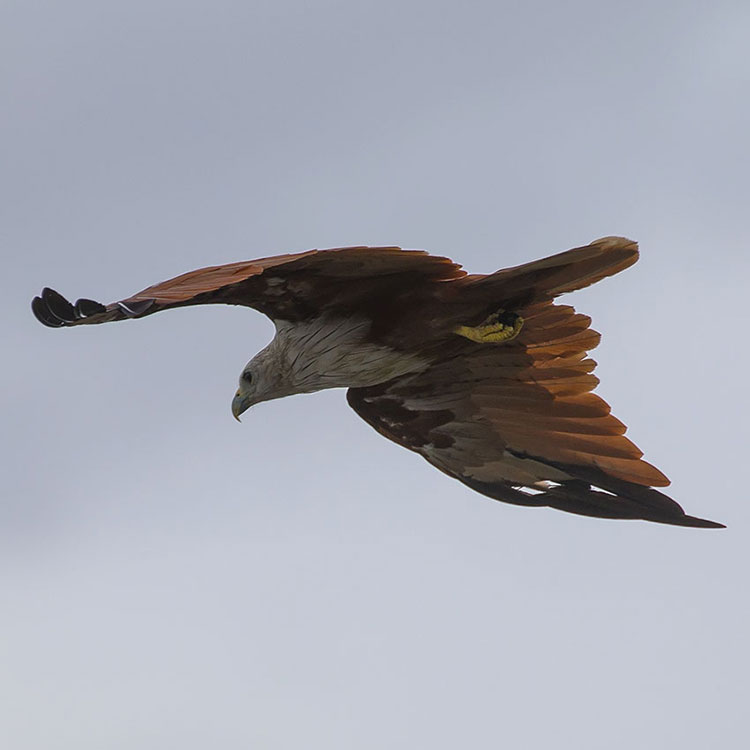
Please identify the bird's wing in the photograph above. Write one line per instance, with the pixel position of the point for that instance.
(290, 287)
(518, 422)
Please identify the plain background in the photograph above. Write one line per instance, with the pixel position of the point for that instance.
(169, 578)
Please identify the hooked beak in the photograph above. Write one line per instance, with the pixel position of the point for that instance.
(240, 404)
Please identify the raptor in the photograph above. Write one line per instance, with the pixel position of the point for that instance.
(484, 376)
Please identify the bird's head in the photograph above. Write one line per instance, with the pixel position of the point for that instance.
(261, 379)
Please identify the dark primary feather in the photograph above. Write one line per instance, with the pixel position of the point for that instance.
(288, 287)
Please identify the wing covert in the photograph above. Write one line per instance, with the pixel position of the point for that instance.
(290, 287)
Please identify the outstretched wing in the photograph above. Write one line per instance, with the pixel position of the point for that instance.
(518, 422)
(289, 287)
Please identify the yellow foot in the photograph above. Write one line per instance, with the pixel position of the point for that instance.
(497, 329)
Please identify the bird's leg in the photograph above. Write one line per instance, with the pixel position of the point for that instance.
(498, 328)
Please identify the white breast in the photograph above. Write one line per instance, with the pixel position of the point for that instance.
(335, 353)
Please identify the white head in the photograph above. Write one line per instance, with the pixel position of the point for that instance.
(262, 379)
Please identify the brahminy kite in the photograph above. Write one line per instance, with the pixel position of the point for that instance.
(485, 376)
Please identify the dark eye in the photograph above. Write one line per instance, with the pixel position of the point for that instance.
(247, 376)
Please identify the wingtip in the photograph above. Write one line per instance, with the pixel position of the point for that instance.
(616, 243)
(690, 521)
(703, 523)
(43, 313)
(55, 311)
(626, 250)
(58, 305)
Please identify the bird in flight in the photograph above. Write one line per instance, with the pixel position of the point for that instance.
(485, 376)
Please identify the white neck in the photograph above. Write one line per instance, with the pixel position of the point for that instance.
(335, 353)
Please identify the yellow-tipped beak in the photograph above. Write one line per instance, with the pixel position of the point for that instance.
(240, 404)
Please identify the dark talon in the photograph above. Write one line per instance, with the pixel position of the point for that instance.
(507, 318)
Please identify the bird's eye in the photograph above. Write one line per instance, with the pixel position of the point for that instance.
(247, 376)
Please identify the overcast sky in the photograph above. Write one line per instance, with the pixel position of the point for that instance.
(169, 578)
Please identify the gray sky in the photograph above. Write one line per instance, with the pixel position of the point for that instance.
(169, 578)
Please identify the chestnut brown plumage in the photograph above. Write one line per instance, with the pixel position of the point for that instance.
(514, 418)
